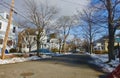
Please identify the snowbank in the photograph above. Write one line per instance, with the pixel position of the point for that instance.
(100, 59)
(18, 59)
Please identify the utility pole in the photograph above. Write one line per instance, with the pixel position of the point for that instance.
(7, 30)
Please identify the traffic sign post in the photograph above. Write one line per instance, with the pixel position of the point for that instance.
(118, 41)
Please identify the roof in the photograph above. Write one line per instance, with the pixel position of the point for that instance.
(102, 39)
(31, 31)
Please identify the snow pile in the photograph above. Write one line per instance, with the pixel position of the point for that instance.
(22, 59)
(13, 60)
(17, 59)
(101, 59)
(45, 56)
(33, 58)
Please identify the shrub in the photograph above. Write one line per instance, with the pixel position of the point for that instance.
(54, 50)
(13, 50)
(100, 52)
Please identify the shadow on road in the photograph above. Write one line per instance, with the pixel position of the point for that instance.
(76, 60)
(103, 76)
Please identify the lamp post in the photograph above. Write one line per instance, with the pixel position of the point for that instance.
(7, 30)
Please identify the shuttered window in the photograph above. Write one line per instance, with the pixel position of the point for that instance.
(0, 25)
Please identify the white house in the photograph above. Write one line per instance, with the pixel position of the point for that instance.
(12, 38)
(54, 43)
(27, 38)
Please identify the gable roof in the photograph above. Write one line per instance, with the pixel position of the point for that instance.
(102, 39)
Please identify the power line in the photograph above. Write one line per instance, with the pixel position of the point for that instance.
(15, 10)
(19, 13)
(73, 3)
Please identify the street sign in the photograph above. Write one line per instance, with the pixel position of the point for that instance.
(117, 39)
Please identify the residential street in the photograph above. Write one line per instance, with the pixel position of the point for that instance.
(67, 66)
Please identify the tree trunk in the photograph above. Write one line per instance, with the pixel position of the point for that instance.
(29, 48)
(111, 45)
(91, 48)
(111, 31)
(38, 48)
(60, 48)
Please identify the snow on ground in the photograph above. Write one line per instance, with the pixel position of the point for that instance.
(101, 59)
(22, 59)
(18, 59)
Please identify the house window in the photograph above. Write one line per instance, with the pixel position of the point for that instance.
(7, 16)
(1, 41)
(45, 45)
(34, 38)
(14, 29)
(26, 38)
(9, 42)
(27, 46)
(0, 25)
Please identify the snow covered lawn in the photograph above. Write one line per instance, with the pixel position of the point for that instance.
(100, 59)
(13, 59)
(18, 59)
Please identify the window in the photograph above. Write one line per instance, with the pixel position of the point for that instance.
(7, 16)
(14, 29)
(45, 45)
(9, 42)
(0, 25)
(27, 46)
(1, 41)
(34, 38)
(26, 38)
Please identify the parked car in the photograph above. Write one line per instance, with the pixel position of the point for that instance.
(6, 51)
(45, 52)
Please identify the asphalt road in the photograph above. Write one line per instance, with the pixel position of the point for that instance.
(67, 66)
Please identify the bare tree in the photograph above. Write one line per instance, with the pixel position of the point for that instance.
(75, 43)
(110, 11)
(89, 28)
(65, 23)
(26, 38)
(40, 16)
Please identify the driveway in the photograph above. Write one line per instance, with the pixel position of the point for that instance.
(67, 66)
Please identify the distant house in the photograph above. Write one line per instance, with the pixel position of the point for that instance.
(102, 44)
(54, 43)
(12, 37)
(27, 38)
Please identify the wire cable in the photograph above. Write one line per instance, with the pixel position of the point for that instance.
(15, 10)
(73, 3)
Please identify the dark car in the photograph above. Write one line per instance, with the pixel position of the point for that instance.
(6, 51)
(45, 52)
